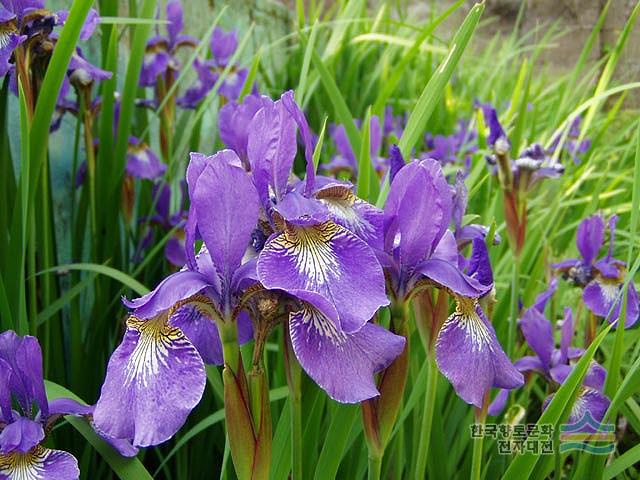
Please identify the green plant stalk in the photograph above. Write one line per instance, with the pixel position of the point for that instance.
(375, 466)
(513, 313)
(294, 381)
(427, 417)
(478, 443)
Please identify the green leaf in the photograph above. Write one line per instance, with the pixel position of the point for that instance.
(629, 459)
(125, 468)
(121, 277)
(434, 90)
(64, 300)
(334, 449)
(364, 161)
(318, 150)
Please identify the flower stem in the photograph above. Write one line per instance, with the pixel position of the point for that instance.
(515, 283)
(375, 466)
(476, 463)
(294, 381)
(427, 417)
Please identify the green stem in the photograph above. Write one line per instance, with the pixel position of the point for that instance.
(230, 348)
(294, 381)
(515, 282)
(375, 466)
(478, 443)
(427, 418)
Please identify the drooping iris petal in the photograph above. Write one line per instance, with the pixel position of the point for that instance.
(601, 297)
(331, 261)
(271, 149)
(40, 463)
(8, 43)
(353, 213)
(142, 162)
(176, 287)
(21, 436)
(530, 364)
(343, 364)
(226, 229)
(6, 413)
(156, 62)
(154, 379)
(24, 356)
(538, 332)
(469, 355)
(201, 331)
(588, 410)
(590, 237)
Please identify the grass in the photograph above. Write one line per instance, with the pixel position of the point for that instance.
(347, 62)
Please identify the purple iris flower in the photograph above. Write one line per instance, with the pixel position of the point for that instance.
(601, 280)
(233, 121)
(156, 376)
(449, 148)
(420, 254)
(22, 429)
(345, 160)
(142, 162)
(393, 124)
(573, 145)
(223, 45)
(161, 50)
(24, 20)
(314, 257)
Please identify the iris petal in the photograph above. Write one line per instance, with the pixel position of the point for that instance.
(39, 463)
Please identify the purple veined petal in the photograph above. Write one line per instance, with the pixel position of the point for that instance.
(566, 334)
(396, 162)
(530, 364)
(20, 436)
(353, 213)
(601, 294)
(245, 275)
(469, 355)
(449, 276)
(174, 15)
(9, 41)
(120, 445)
(176, 287)
(595, 377)
(420, 202)
(142, 162)
(223, 45)
(499, 403)
(328, 260)
(6, 411)
(342, 364)
(272, 148)
(300, 210)
(84, 73)
(154, 379)
(559, 373)
(234, 120)
(201, 331)
(480, 264)
(305, 132)
(538, 332)
(446, 249)
(227, 228)
(197, 163)
(39, 463)
(590, 237)
(587, 412)
(155, 64)
(24, 356)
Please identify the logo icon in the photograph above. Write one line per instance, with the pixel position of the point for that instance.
(587, 435)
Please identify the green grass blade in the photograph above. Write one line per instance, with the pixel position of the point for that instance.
(64, 300)
(117, 275)
(125, 468)
(629, 459)
(364, 161)
(334, 449)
